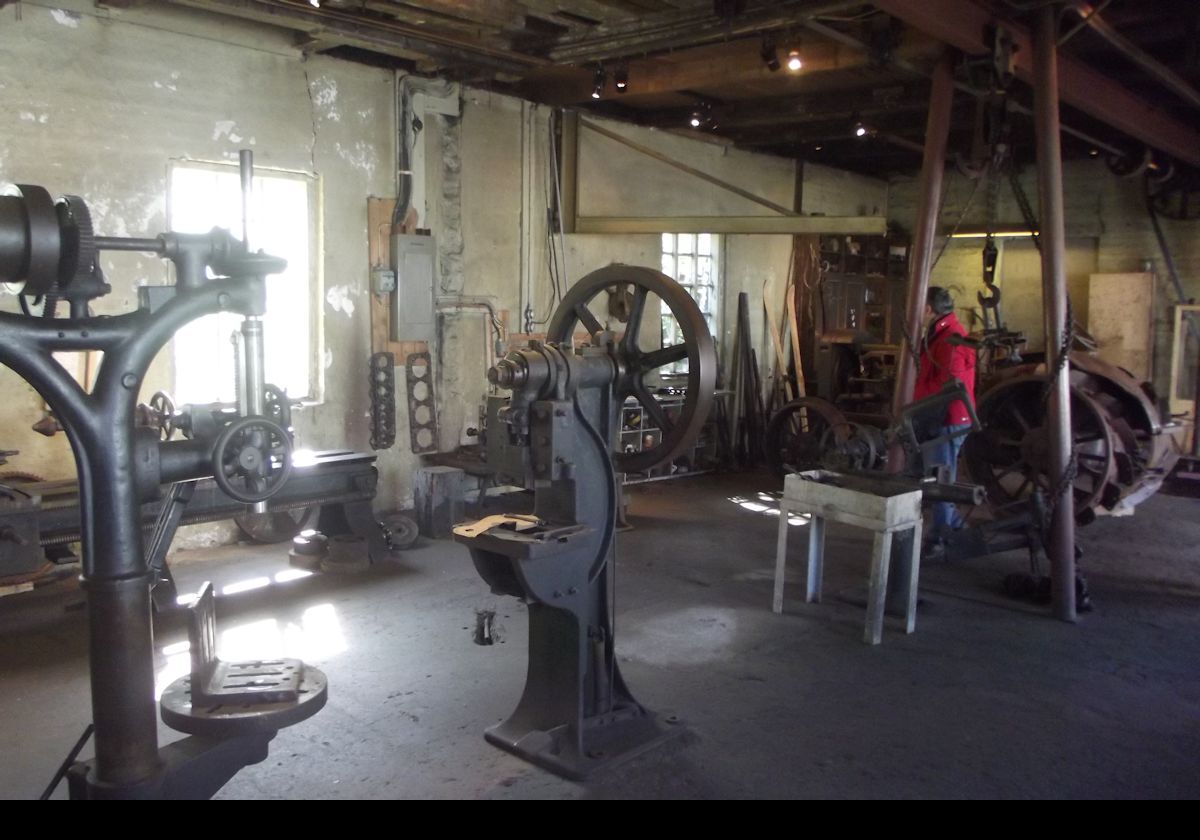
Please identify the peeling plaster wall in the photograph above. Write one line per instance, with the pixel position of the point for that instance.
(498, 226)
(162, 83)
(105, 128)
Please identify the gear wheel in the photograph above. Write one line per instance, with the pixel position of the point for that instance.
(79, 255)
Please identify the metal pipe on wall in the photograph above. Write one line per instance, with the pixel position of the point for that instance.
(1057, 309)
(937, 133)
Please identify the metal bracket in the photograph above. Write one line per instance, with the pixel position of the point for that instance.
(422, 409)
(382, 381)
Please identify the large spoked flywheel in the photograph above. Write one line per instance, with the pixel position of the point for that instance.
(635, 302)
(1010, 456)
(803, 433)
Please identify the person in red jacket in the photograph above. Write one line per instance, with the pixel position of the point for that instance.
(942, 362)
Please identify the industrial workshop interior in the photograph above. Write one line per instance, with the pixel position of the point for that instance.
(606, 399)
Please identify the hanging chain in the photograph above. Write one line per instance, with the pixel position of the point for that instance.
(1026, 208)
(1071, 468)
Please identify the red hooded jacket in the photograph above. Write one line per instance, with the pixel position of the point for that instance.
(942, 362)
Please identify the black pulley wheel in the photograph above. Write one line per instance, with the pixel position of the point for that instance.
(631, 287)
(163, 414)
(400, 531)
(276, 406)
(801, 433)
(252, 459)
(275, 526)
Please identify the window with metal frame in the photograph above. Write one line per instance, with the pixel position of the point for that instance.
(691, 259)
(283, 223)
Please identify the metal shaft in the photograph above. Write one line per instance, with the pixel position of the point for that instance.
(1054, 295)
(250, 390)
(254, 380)
(125, 243)
(246, 171)
(121, 648)
(937, 132)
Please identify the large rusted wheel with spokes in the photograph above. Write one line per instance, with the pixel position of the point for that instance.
(616, 301)
(1010, 455)
(802, 433)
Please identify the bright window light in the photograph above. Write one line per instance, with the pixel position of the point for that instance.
(692, 260)
(204, 196)
(246, 585)
(770, 508)
(318, 636)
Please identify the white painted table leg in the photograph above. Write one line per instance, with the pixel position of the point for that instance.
(780, 558)
(816, 559)
(881, 559)
(913, 574)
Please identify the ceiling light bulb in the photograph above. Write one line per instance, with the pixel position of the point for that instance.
(794, 63)
(695, 121)
(860, 131)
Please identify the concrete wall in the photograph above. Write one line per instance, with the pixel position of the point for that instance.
(160, 84)
(1108, 230)
(505, 173)
(137, 95)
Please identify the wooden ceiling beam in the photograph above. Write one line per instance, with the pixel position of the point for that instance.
(395, 39)
(963, 23)
(733, 63)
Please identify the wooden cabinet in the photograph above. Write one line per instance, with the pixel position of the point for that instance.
(864, 285)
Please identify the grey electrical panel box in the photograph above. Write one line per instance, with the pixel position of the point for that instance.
(413, 257)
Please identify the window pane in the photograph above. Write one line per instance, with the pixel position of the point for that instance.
(668, 265)
(205, 197)
(687, 270)
(689, 258)
(670, 331)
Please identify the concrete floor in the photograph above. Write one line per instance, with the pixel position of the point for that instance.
(989, 698)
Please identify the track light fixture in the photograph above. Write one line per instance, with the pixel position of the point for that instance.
(621, 78)
(702, 116)
(794, 62)
(770, 54)
(598, 79)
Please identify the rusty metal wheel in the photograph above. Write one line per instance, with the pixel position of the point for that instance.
(800, 434)
(1010, 456)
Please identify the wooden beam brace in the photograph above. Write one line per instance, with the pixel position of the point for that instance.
(962, 24)
(690, 170)
(732, 224)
